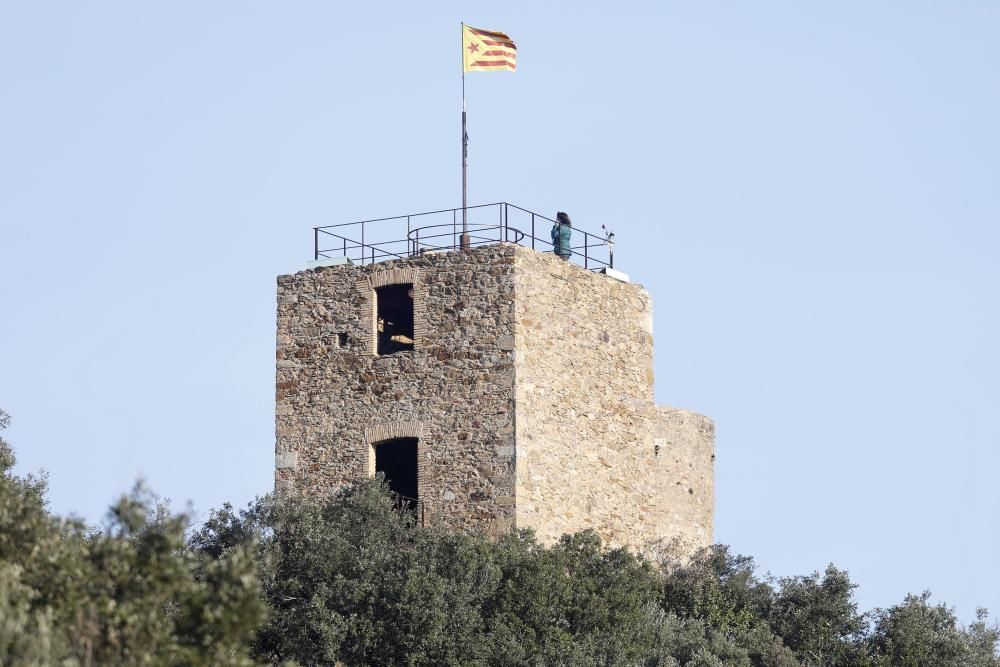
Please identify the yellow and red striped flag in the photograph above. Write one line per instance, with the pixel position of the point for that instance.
(487, 51)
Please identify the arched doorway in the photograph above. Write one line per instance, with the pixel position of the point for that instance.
(397, 460)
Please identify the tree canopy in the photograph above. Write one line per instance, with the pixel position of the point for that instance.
(351, 580)
(130, 593)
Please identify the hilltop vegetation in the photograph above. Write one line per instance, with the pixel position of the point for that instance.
(351, 580)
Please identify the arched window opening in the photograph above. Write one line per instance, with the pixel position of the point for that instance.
(394, 308)
(397, 460)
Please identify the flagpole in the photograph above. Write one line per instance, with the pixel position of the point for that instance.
(465, 158)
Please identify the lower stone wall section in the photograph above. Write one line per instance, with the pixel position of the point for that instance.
(652, 488)
(684, 446)
(592, 449)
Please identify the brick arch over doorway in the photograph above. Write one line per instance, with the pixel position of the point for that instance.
(389, 431)
(366, 287)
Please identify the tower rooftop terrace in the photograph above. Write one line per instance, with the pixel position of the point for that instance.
(415, 234)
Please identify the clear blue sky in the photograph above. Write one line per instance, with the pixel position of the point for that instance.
(808, 191)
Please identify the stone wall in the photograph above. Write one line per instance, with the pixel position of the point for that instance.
(453, 391)
(684, 443)
(529, 389)
(586, 427)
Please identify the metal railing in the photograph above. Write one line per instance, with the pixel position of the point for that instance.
(380, 239)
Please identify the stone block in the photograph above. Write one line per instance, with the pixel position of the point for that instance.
(284, 460)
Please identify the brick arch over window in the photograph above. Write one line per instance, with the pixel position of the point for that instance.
(367, 285)
(388, 431)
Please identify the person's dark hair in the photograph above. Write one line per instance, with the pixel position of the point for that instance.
(563, 219)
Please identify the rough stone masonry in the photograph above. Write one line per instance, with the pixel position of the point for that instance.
(528, 391)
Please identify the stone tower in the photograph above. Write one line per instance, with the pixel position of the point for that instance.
(496, 387)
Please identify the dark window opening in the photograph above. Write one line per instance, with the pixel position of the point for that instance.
(394, 307)
(397, 460)
(341, 339)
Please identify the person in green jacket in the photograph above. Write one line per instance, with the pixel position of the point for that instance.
(561, 232)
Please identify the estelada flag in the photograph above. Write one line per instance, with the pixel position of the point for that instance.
(487, 51)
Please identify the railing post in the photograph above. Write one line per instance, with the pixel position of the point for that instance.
(362, 244)
(585, 244)
(345, 246)
(315, 243)
(532, 231)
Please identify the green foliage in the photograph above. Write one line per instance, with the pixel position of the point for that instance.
(720, 591)
(131, 594)
(982, 640)
(718, 588)
(817, 617)
(350, 580)
(916, 633)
